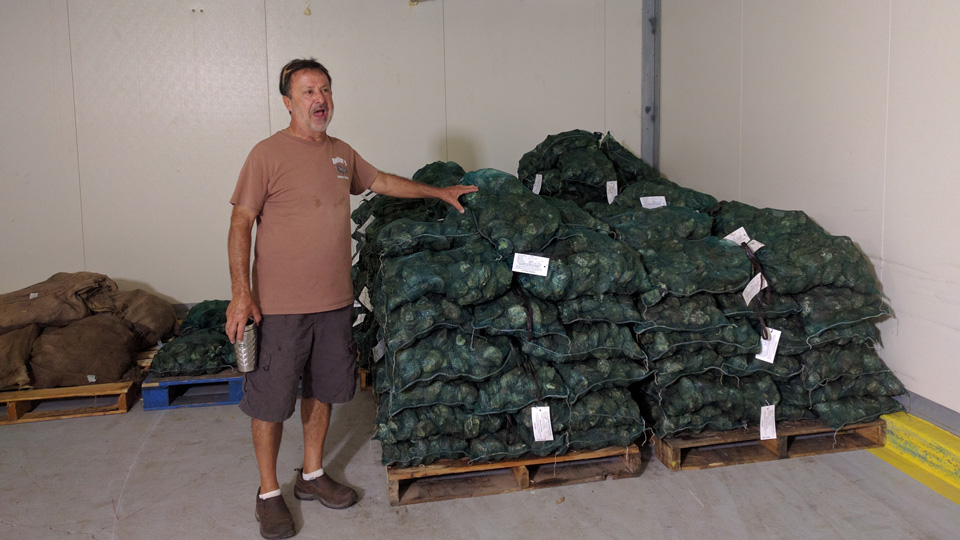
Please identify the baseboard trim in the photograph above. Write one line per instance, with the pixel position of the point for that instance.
(925, 452)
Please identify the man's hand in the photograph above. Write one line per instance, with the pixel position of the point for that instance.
(239, 311)
(451, 195)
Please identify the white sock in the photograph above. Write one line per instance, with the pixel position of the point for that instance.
(316, 474)
(274, 493)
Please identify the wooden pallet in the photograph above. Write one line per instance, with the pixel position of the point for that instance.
(224, 388)
(457, 479)
(796, 438)
(69, 402)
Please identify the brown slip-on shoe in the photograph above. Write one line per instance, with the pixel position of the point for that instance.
(274, 517)
(329, 492)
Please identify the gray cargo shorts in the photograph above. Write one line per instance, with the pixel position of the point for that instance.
(317, 346)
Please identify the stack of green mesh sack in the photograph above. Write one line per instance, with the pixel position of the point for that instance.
(641, 309)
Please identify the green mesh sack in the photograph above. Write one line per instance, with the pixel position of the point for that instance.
(406, 236)
(423, 451)
(517, 314)
(793, 339)
(425, 422)
(611, 308)
(643, 228)
(559, 415)
(799, 254)
(448, 354)
(409, 322)
(207, 315)
(588, 264)
(674, 194)
(586, 167)
(200, 352)
(687, 267)
(629, 167)
(855, 410)
(449, 393)
(366, 336)
(668, 369)
(778, 305)
(707, 418)
(585, 341)
(607, 408)
(831, 362)
(592, 375)
(736, 395)
(606, 437)
(824, 308)
(546, 156)
(509, 215)
(575, 218)
(697, 313)
(520, 387)
(510, 443)
(875, 385)
(745, 365)
(863, 333)
(738, 338)
(469, 274)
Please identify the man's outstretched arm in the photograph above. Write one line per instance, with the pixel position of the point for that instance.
(396, 186)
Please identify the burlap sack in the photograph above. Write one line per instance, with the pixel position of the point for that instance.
(15, 350)
(97, 349)
(151, 317)
(57, 301)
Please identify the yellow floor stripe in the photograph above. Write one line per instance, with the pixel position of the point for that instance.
(927, 453)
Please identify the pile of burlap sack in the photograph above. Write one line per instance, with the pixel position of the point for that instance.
(76, 329)
(641, 310)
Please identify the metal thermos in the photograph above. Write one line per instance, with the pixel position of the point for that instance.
(246, 348)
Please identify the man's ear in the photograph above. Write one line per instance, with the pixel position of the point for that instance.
(288, 105)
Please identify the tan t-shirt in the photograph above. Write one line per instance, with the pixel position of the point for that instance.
(300, 191)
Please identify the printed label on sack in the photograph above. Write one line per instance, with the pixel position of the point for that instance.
(753, 288)
(768, 423)
(768, 347)
(530, 264)
(537, 184)
(91, 378)
(653, 202)
(379, 350)
(740, 236)
(612, 191)
(34, 295)
(542, 429)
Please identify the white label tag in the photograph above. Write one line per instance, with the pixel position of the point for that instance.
(365, 299)
(768, 423)
(530, 264)
(34, 295)
(612, 191)
(753, 288)
(653, 202)
(740, 236)
(768, 347)
(542, 429)
(537, 184)
(91, 378)
(363, 228)
(379, 350)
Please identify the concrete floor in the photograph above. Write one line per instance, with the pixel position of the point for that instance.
(190, 474)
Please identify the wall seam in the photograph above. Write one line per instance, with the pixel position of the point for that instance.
(740, 113)
(446, 99)
(886, 143)
(266, 69)
(76, 136)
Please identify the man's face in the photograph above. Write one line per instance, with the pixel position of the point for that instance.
(311, 101)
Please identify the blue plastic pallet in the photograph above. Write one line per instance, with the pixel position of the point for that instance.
(224, 388)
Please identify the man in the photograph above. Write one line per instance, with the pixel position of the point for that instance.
(296, 186)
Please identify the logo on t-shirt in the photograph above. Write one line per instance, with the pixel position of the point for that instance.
(341, 166)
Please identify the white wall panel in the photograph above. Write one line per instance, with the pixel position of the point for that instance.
(40, 227)
(517, 72)
(386, 61)
(814, 101)
(700, 95)
(623, 71)
(170, 98)
(921, 271)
